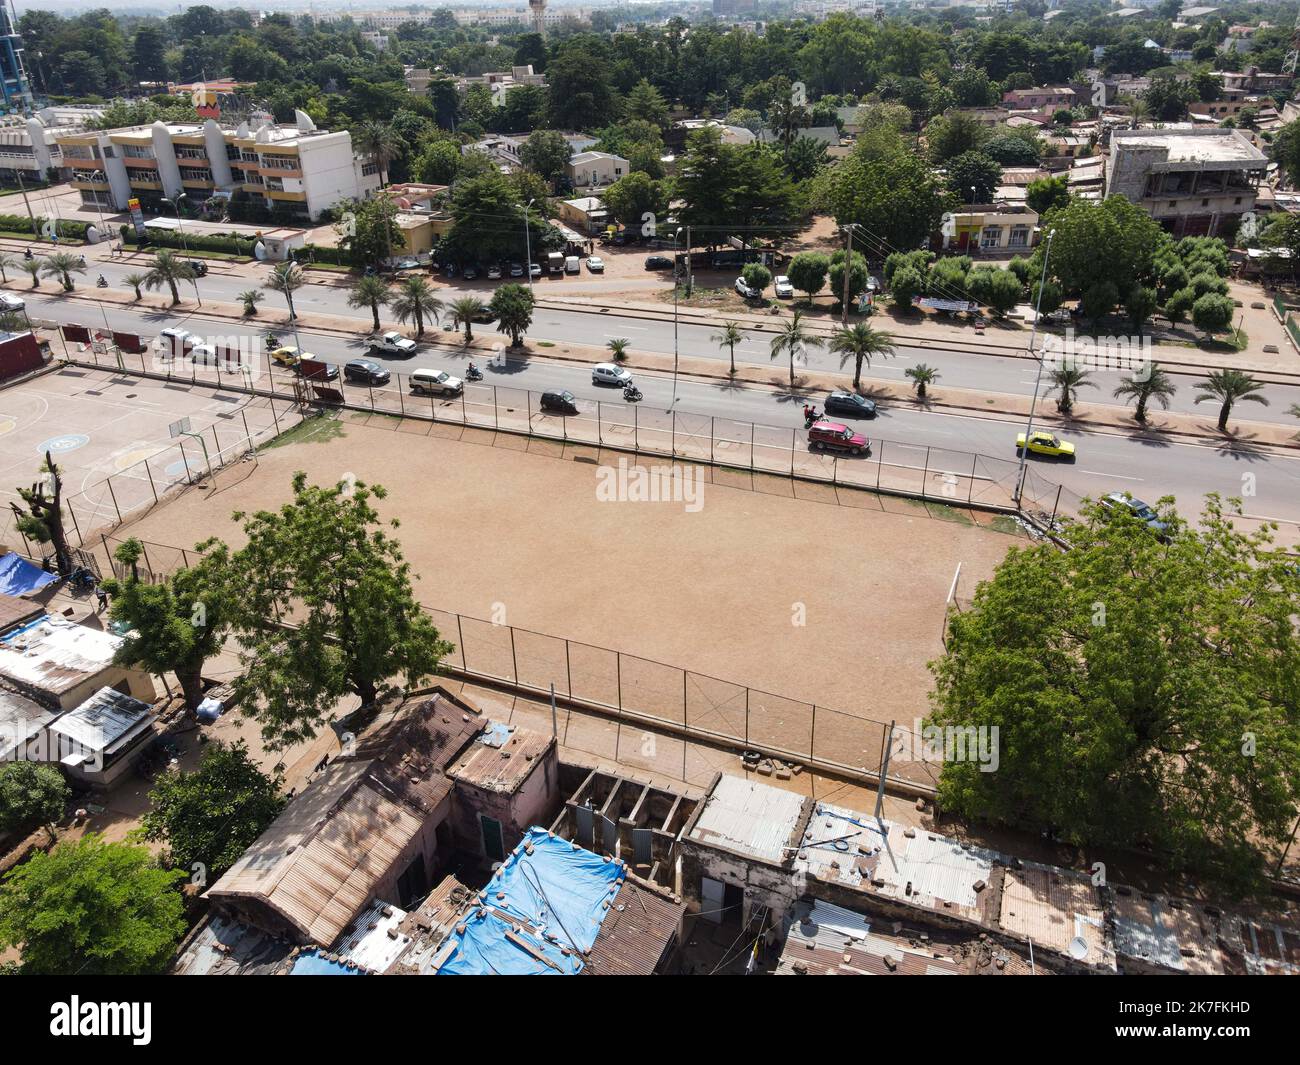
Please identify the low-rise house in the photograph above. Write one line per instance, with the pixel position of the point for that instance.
(999, 228)
(728, 134)
(96, 743)
(595, 170)
(1056, 98)
(60, 664)
(23, 725)
(587, 214)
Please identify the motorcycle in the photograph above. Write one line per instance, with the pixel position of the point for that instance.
(102, 282)
(27, 254)
(473, 373)
(632, 394)
(811, 415)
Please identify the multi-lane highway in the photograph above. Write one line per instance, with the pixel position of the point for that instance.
(1107, 459)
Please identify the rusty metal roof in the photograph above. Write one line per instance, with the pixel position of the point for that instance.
(52, 655)
(16, 611)
(638, 929)
(500, 758)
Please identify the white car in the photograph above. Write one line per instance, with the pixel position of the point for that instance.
(745, 290)
(437, 382)
(393, 343)
(175, 341)
(534, 269)
(494, 272)
(784, 290)
(595, 264)
(11, 303)
(606, 373)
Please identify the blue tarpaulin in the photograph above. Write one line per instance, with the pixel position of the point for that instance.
(558, 897)
(18, 576)
(312, 963)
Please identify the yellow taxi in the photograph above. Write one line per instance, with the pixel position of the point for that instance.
(1049, 444)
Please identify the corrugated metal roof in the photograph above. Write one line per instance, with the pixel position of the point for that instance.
(21, 720)
(1149, 928)
(53, 655)
(750, 817)
(637, 930)
(104, 722)
(1054, 906)
(826, 939)
(501, 758)
(15, 611)
(375, 940)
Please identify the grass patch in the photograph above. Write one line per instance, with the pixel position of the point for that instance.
(943, 512)
(318, 430)
(329, 268)
(1004, 523)
(544, 343)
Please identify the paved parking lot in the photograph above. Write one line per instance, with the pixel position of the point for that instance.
(98, 424)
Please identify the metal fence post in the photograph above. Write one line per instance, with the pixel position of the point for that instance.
(970, 488)
(880, 462)
(113, 496)
(618, 667)
(460, 637)
(925, 473)
(568, 669)
(514, 658)
(149, 474)
(1057, 502)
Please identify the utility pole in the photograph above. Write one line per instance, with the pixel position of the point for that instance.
(848, 269)
(1038, 377)
(528, 244)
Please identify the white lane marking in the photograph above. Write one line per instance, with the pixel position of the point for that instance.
(1117, 476)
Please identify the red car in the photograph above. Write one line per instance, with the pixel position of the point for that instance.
(837, 437)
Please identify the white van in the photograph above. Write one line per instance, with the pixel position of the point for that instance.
(572, 265)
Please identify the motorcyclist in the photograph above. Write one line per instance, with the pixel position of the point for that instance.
(102, 282)
(472, 371)
(27, 253)
(82, 260)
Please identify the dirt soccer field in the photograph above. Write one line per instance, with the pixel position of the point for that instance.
(788, 589)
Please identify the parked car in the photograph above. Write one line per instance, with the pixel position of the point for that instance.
(559, 402)
(289, 357)
(435, 382)
(1121, 501)
(595, 264)
(1049, 444)
(516, 269)
(365, 372)
(485, 315)
(837, 437)
(534, 269)
(658, 262)
(850, 403)
(449, 271)
(608, 373)
(747, 291)
(11, 303)
(393, 343)
(782, 287)
(407, 264)
(494, 272)
(470, 273)
(572, 265)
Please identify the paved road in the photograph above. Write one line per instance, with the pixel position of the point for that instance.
(958, 369)
(1107, 460)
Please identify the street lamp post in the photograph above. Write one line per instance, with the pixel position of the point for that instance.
(1038, 377)
(180, 228)
(528, 245)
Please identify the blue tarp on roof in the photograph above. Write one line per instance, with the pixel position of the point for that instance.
(18, 576)
(560, 892)
(311, 963)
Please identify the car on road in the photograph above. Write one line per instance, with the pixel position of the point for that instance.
(534, 269)
(11, 303)
(784, 290)
(198, 266)
(1117, 502)
(365, 372)
(658, 262)
(850, 403)
(608, 373)
(1049, 444)
(393, 343)
(287, 356)
(516, 269)
(494, 272)
(559, 402)
(747, 291)
(435, 382)
(595, 264)
(175, 341)
(835, 436)
(314, 369)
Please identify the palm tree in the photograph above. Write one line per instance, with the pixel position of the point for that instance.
(372, 292)
(465, 312)
(33, 267)
(730, 336)
(1156, 384)
(286, 279)
(1229, 386)
(250, 298)
(135, 280)
(618, 346)
(62, 265)
(7, 262)
(415, 300)
(793, 339)
(921, 375)
(1066, 382)
(859, 342)
(379, 141)
(168, 270)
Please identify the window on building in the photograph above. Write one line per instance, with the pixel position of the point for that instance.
(991, 237)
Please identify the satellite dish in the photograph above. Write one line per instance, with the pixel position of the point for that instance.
(1078, 948)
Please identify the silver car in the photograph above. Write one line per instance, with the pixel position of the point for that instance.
(606, 373)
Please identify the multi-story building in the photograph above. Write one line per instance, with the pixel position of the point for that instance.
(15, 91)
(297, 169)
(1194, 182)
(1034, 99)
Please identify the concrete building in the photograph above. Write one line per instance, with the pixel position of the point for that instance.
(595, 170)
(993, 228)
(587, 214)
(1194, 182)
(1040, 97)
(95, 743)
(298, 169)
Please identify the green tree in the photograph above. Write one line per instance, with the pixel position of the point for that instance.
(756, 276)
(513, 306)
(369, 231)
(8, 262)
(860, 342)
(921, 376)
(948, 136)
(1124, 728)
(1140, 304)
(1066, 382)
(1128, 235)
(327, 561)
(250, 298)
(488, 220)
(33, 268)
(729, 188)
(728, 338)
(645, 102)
(807, 272)
(1212, 313)
(973, 177)
(167, 269)
(1046, 194)
(209, 817)
(176, 623)
(62, 265)
(92, 908)
(373, 292)
(1179, 305)
(794, 340)
(635, 195)
(1228, 388)
(31, 794)
(414, 301)
(284, 278)
(546, 153)
(465, 311)
(40, 518)
(581, 95)
(380, 142)
(1155, 384)
(908, 283)
(999, 290)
